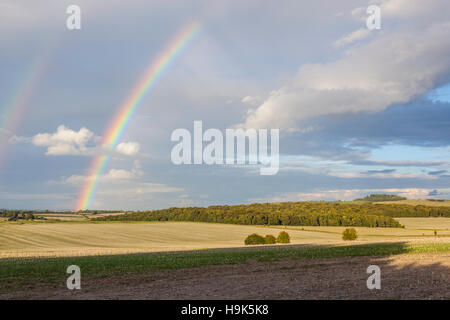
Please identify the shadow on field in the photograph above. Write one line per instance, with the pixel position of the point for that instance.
(257, 272)
(411, 277)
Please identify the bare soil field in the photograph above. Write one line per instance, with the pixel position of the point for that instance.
(412, 276)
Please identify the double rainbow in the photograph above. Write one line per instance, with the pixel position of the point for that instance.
(127, 109)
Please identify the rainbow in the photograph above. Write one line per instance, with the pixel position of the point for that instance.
(128, 108)
(16, 108)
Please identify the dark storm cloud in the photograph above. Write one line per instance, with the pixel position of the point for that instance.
(350, 136)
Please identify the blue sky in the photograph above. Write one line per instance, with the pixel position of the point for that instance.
(359, 111)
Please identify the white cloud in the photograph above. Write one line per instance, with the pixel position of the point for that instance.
(353, 36)
(17, 139)
(406, 9)
(128, 148)
(145, 193)
(357, 12)
(121, 183)
(350, 175)
(250, 100)
(112, 175)
(122, 176)
(396, 67)
(64, 141)
(119, 174)
(346, 194)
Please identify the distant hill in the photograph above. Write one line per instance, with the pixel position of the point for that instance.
(381, 197)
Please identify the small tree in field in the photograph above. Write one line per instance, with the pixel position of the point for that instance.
(283, 237)
(270, 239)
(254, 239)
(349, 234)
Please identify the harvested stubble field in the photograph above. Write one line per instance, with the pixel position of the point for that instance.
(40, 239)
(428, 203)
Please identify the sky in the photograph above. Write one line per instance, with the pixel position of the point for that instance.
(359, 111)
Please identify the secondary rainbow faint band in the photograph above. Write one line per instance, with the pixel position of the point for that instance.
(128, 108)
(14, 111)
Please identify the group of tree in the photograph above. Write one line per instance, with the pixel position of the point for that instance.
(283, 237)
(381, 197)
(291, 213)
(14, 215)
(349, 234)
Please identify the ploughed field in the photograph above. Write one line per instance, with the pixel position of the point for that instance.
(44, 239)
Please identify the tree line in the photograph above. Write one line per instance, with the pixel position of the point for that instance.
(14, 215)
(381, 197)
(290, 213)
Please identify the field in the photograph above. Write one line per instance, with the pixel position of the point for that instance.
(425, 223)
(29, 239)
(428, 203)
(64, 216)
(155, 260)
(283, 272)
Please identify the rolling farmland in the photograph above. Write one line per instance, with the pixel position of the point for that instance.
(188, 256)
(29, 239)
